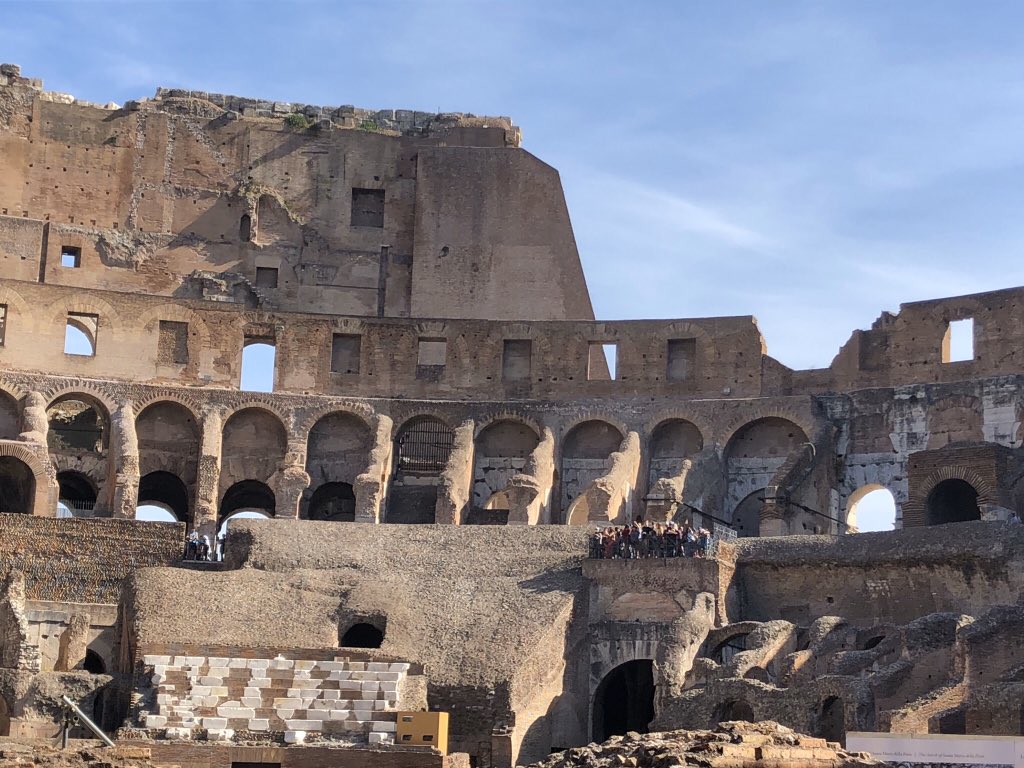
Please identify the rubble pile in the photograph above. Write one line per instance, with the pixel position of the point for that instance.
(729, 745)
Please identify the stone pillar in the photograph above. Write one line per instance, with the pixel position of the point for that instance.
(371, 486)
(124, 496)
(35, 425)
(73, 642)
(456, 489)
(291, 479)
(204, 516)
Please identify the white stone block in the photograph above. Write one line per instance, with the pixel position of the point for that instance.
(379, 705)
(178, 661)
(301, 674)
(305, 664)
(363, 676)
(294, 737)
(341, 714)
(356, 666)
(285, 714)
(330, 666)
(306, 684)
(238, 663)
(195, 661)
(152, 661)
(163, 699)
(219, 734)
(219, 690)
(252, 690)
(255, 702)
(156, 721)
(384, 726)
(370, 685)
(157, 679)
(215, 723)
(179, 734)
(400, 667)
(218, 672)
(209, 701)
(303, 725)
(380, 738)
(330, 695)
(361, 716)
(377, 666)
(291, 702)
(362, 706)
(257, 663)
(389, 677)
(218, 661)
(389, 686)
(198, 691)
(237, 713)
(281, 664)
(259, 725)
(260, 682)
(211, 680)
(339, 675)
(318, 714)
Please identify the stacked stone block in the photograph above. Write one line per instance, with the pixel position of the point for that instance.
(342, 698)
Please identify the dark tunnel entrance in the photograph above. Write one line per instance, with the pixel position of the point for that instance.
(624, 700)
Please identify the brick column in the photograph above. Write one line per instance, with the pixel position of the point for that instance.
(371, 486)
(291, 479)
(204, 518)
(125, 459)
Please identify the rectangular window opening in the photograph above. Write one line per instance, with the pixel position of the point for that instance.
(958, 343)
(258, 364)
(346, 350)
(80, 334)
(680, 359)
(172, 344)
(601, 361)
(70, 257)
(266, 277)
(368, 208)
(431, 355)
(3, 324)
(516, 360)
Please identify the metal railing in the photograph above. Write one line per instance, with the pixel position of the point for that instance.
(75, 508)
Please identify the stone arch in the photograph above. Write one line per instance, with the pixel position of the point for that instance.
(85, 304)
(169, 439)
(78, 422)
(746, 517)
(915, 511)
(10, 416)
(585, 450)
(952, 501)
(44, 487)
(21, 322)
(254, 441)
(17, 486)
(830, 723)
(247, 495)
(332, 501)
(501, 450)
(768, 436)
(244, 401)
(671, 440)
(423, 445)
(337, 452)
(855, 499)
(732, 710)
(77, 492)
(726, 435)
(356, 410)
(168, 490)
(624, 700)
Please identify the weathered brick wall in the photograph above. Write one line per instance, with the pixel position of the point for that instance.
(167, 754)
(83, 560)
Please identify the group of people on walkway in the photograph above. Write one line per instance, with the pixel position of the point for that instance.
(200, 548)
(646, 539)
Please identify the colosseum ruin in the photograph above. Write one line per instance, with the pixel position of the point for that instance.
(447, 426)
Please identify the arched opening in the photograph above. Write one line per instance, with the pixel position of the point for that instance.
(258, 361)
(725, 650)
(501, 451)
(5, 718)
(362, 635)
(333, 501)
(17, 486)
(77, 424)
(732, 711)
(80, 334)
(337, 452)
(155, 513)
(871, 508)
(624, 700)
(585, 452)
(93, 663)
(163, 491)
(242, 514)
(169, 444)
(952, 501)
(248, 495)
(772, 437)
(671, 442)
(245, 228)
(10, 417)
(252, 449)
(832, 720)
(872, 642)
(422, 449)
(746, 518)
(77, 494)
(760, 674)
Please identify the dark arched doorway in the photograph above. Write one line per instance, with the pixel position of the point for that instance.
(832, 720)
(167, 490)
(77, 494)
(93, 663)
(624, 700)
(248, 495)
(333, 501)
(362, 635)
(5, 718)
(732, 710)
(952, 501)
(17, 485)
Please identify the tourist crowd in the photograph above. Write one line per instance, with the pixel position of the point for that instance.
(199, 547)
(646, 539)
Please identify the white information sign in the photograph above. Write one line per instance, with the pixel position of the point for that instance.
(930, 750)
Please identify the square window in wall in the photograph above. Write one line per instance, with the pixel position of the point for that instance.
(3, 324)
(368, 208)
(958, 342)
(346, 350)
(681, 359)
(70, 256)
(516, 360)
(431, 356)
(80, 334)
(266, 277)
(601, 361)
(172, 344)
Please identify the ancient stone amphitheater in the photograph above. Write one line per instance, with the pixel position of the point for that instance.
(446, 424)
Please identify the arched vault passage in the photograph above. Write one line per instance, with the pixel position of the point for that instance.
(248, 495)
(501, 451)
(165, 489)
(17, 486)
(624, 700)
(952, 501)
(585, 452)
(870, 508)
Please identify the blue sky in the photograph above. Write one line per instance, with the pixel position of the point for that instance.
(811, 164)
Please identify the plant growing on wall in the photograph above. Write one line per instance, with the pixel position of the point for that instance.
(297, 121)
